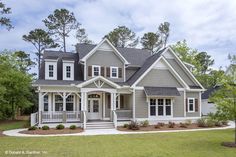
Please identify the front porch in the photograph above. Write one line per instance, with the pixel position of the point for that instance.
(81, 107)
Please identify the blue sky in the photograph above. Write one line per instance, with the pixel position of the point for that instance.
(207, 25)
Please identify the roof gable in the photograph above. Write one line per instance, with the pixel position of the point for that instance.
(104, 45)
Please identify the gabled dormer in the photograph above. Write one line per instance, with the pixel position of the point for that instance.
(68, 69)
(51, 68)
(104, 60)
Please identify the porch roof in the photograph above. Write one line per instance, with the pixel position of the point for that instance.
(161, 91)
(55, 82)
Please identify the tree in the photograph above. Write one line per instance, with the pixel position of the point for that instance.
(82, 37)
(15, 86)
(41, 41)
(151, 41)
(164, 31)
(205, 61)
(4, 21)
(60, 24)
(24, 61)
(122, 37)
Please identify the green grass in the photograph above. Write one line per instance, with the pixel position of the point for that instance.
(183, 144)
(8, 125)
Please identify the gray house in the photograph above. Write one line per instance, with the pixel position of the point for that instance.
(103, 86)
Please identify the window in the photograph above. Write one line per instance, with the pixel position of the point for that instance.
(168, 107)
(68, 71)
(152, 107)
(58, 103)
(114, 72)
(70, 103)
(50, 70)
(45, 102)
(191, 105)
(96, 70)
(160, 107)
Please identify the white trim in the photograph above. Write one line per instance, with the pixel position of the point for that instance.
(97, 78)
(85, 70)
(196, 81)
(184, 103)
(200, 104)
(54, 65)
(134, 105)
(68, 61)
(96, 47)
(124, 73)
(193, 105)
(164, 107)
(50, 60)
(99, 72)
(170, 67)
(65, 65)
(117, 71)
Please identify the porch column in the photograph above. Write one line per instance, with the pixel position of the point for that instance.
(50, 104)
(64, 107)
(83, 101)
(40, 107)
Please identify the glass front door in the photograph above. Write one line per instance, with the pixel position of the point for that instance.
(94, 111)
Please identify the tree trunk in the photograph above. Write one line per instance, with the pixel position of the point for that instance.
(39, 64)
(64, 43)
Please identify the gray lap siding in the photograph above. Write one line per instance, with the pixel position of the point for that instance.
(196, 96)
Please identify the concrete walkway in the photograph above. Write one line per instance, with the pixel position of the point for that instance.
(16, 133)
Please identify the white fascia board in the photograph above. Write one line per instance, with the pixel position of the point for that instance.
(193, 77)
(50, 60)
(96, 47)
(97, 78)
(68, 61)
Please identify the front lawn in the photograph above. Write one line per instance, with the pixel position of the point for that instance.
(183, 144)
(12, 124)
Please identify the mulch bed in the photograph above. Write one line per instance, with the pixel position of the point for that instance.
(165, 127)
(229, 144)
(52, 131)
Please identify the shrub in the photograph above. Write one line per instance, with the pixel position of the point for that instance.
(32, 128)
(161, 124)
(218, 123)
(171, 125)
(72, 127)
(210, 122)
(45, 127)
(157, 126)
(202, 122)
(183, 125)
(134, 125)
(60, 127)
(224, 122)
(126, 125)
(188, 122)
(144, 123)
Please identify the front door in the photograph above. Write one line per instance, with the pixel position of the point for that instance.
(94, 108)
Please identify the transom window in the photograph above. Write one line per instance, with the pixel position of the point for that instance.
(96, 70)
(191, 105)
(160, 107)
(45, 100)
(114, 72)
(70, 103)
(68, 71)
(50, 70)
(58, 103)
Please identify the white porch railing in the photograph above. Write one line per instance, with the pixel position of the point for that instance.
(124, 114)
(72, 116)
(34, 119)
(61, 116)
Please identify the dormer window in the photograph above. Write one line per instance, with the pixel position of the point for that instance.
(68, 70)
(114, 72)
(50, 69)
(96, 70)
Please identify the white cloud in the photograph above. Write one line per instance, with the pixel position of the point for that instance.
(206, 24)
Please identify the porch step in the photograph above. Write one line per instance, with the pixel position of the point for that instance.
(99, 125)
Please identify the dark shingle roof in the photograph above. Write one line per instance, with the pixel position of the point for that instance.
(149, 61)
(209, 92)
(161, 91)
(195, 87)
(136, 57)
(55, 82)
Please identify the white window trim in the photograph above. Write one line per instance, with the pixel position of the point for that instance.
(164, 108)
(71, 65)
(47, 64)
(99, 72)
(193, 105)
(117, 70)
(73, 103)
